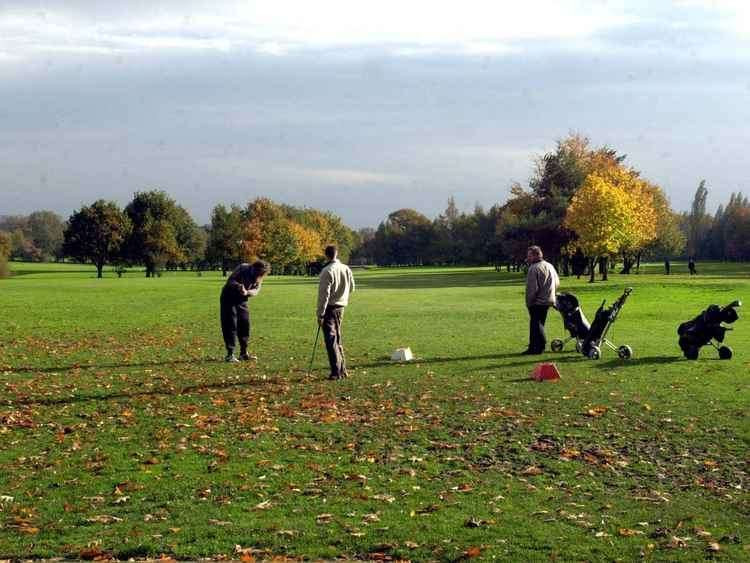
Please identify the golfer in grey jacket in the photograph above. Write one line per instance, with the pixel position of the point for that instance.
(336, 283)
(541, 283)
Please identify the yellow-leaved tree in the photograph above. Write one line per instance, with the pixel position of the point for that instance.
(611, 213)
(307, 244)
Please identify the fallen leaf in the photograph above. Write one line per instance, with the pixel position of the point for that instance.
(473, 552)
(411, 544)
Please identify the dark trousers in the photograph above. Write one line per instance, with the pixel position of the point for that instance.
(537, 318)
(235, 324)
(331, 328)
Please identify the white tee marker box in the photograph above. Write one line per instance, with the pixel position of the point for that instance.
(402, 355)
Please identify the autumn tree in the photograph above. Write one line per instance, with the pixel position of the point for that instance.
(558, 176)
(609, 216)
(258, 217)
(643, 229)
(307, 244)
(96, 234)
(46, 229)
(22, 247)
(329, 227)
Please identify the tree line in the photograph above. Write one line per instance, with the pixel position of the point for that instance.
(155, 232)
(584, 206)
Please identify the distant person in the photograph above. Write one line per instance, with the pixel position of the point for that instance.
(667, 266)
(244, 282)
(579, 263)
(541, 282)
(336, 283)
(691, 266)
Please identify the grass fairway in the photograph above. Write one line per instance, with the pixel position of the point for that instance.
(123, 434)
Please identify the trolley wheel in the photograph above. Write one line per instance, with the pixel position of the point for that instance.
(691, 352)
(595, 353)
(725, 353)
(578, 346)
(557, 345)
(625, 352)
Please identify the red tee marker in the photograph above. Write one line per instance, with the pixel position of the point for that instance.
(546, 371)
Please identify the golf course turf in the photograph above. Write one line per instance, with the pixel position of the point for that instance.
(123, 434)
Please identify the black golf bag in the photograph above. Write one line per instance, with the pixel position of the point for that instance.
(574, 321)
(707, 328)
(597, 334)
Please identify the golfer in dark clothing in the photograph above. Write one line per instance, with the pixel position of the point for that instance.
(336, 283)
(541, 283)
(243, 283)
(691, 266)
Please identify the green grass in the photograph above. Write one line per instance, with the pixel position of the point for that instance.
(123, 434)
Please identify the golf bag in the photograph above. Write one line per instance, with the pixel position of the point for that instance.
(707, 328)
(596, 337)
(574, 321)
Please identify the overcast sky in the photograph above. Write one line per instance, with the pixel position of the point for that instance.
(362, 107)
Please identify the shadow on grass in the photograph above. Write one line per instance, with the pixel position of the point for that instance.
(50, 401)
(71, 367)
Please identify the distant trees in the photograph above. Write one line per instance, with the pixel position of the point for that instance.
(161, 232)
(582, 204)
(96, 234)
(698, 222)
(290, 238)
(723, 236)
(225, 237)
(34, 237)
(156, 232)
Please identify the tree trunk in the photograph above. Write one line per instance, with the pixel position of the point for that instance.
(638, 263)
(592, 269)
(627, 264)
(99, 268)
(605, 270)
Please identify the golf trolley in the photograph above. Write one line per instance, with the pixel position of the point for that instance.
(596, 338)
(707, 328)
(574, 321)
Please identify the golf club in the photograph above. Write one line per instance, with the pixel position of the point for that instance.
(315, 346)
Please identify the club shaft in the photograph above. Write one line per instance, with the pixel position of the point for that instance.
(315, 347)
